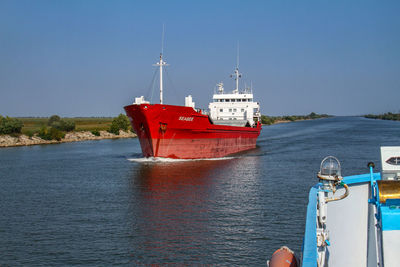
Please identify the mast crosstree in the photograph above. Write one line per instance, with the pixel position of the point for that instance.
(161, 64)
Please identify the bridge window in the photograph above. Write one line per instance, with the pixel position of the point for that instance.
(226, 100)
(221, 110)
(230, 110)
(394, 161)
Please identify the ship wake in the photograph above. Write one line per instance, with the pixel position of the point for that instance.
(167, 160)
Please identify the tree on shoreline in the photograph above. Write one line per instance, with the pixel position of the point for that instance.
(61, 124)
(10, 125)
(119, 123)
(53, 119)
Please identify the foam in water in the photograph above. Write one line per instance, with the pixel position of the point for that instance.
(157, 159)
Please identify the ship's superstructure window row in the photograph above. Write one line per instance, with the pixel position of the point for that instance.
(234, 100)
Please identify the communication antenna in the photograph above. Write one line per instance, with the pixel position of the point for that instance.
(237, 56)
(161, 64)
(162, 39)
(236, 74)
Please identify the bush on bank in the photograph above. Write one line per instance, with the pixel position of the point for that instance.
(10, 125)
(266, 120)
(61, 124)
(64, 125)
(51, 133)
(119, 123)
(96, 132)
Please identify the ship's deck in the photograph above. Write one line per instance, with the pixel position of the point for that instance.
(348, 227)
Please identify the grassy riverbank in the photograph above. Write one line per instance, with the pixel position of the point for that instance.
(268, 120)
(34, 124)
(26, 131)
(55, 127)
(386, 116)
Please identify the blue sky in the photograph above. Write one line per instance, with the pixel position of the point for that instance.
(91, 58)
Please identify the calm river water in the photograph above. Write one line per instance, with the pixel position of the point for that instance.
(99, 203)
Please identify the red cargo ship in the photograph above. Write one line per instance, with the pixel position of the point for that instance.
(183, 132)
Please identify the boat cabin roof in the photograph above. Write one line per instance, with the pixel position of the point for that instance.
(234, 96)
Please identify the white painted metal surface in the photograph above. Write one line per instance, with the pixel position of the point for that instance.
(373, 247)
(140, 100)
(189, 101)
(161, 64)
(348, 228)
(391, 248)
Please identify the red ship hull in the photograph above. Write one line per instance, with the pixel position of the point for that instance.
(181, 132)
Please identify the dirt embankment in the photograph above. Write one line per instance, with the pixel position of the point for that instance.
(23, 140)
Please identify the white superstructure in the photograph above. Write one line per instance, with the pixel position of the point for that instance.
(235, 108)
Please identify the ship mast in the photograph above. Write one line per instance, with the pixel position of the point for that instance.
(161, 64)
(236, 74)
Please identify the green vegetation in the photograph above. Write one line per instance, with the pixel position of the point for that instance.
(268, 120)
(51, 133)
(119, 123)
(55, 127)
(53, 119)
(63, 125)
(387, 116)
(10, 125)
(91, 124)
(29, 133)
(33, 125)
(96, 132)
(60, 124)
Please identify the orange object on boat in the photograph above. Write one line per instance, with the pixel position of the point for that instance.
(283, 257)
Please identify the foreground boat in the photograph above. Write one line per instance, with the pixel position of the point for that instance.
(231, 125)
(352, 220)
